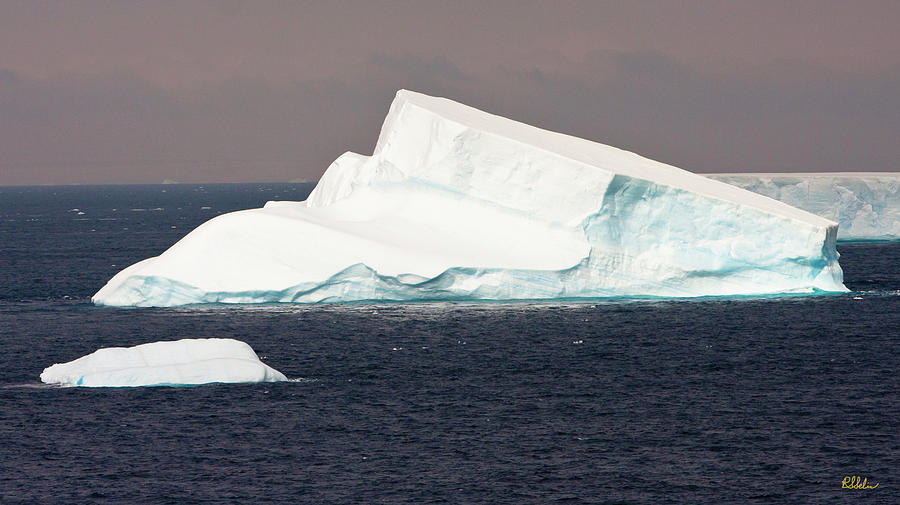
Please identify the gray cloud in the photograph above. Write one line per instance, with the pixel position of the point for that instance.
(275, 93)
(121, 129)
(659, 108)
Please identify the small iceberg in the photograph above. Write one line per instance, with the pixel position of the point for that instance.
(186, 362)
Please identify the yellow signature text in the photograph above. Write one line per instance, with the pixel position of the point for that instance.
(856, 482)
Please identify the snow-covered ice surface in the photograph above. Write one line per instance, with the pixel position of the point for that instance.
(173, 363)
(865, 204)
(458, 204)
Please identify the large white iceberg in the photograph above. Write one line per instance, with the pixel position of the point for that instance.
(865, 204)
(174, 363)
(459, 204)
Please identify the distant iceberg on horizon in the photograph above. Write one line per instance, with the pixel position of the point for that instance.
(865, 204)
(459, 204)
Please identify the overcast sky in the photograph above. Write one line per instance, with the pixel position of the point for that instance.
(228, 91)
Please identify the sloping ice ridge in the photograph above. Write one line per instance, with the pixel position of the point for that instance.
(183, 362)
(865, 204)
(458, 204)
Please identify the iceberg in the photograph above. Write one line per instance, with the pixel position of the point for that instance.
(865, 204)
(459, 204)
(185, 362)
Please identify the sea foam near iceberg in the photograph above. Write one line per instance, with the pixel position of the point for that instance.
(183, 362)
(459, 204)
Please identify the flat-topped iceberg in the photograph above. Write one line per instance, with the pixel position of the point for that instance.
(458, 204)
(185, 362)
(865, 204)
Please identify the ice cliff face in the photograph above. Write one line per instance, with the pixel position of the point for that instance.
(867, 205)
(459, 204)
(183, 362)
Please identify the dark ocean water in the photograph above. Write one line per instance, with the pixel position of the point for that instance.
(771, 400)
